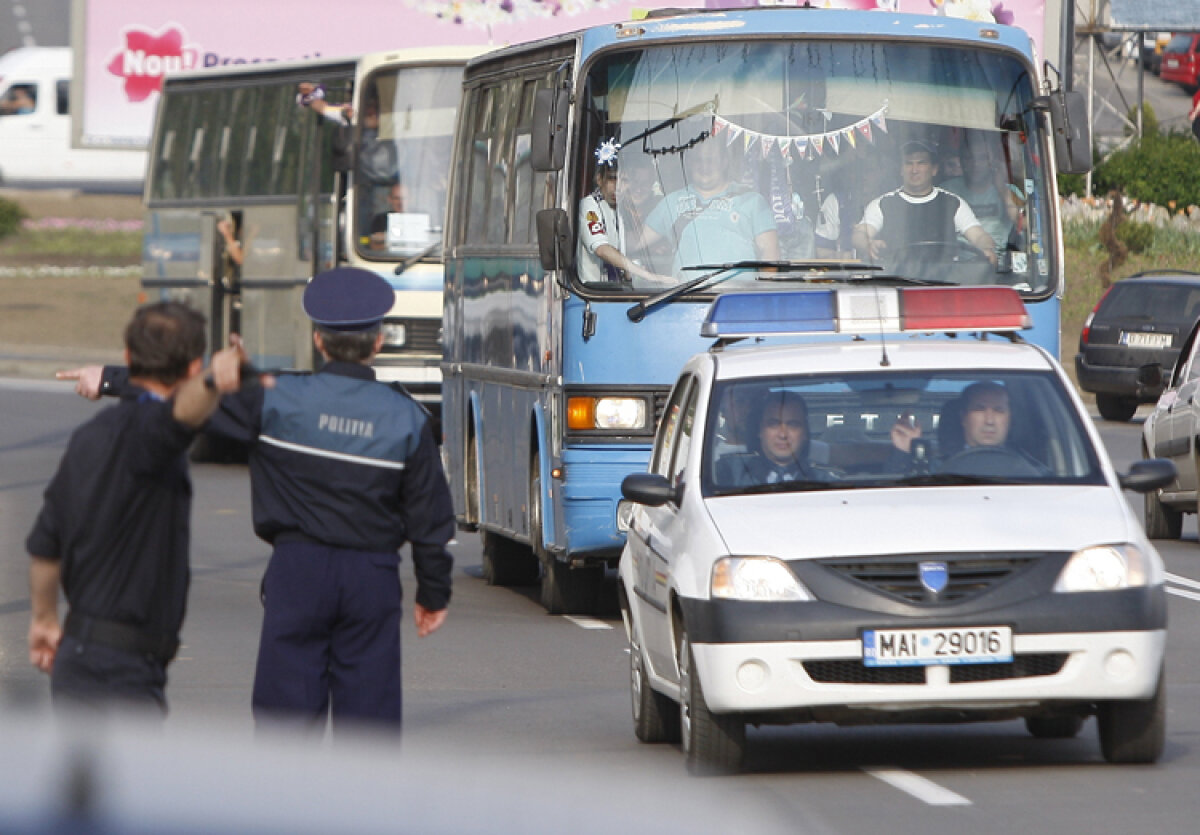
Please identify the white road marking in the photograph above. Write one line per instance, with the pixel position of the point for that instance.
(1190, 595)
(587, 623)
(1182, 581)
(924, 790)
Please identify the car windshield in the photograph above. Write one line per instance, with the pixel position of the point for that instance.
(701, 155)
(830, 431)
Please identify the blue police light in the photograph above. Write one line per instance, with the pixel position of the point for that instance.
(866, 310)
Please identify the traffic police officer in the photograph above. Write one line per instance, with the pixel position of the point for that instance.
(343, 471)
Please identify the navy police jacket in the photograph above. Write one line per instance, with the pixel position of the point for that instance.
(340, 459)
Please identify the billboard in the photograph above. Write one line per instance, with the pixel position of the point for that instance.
(123, 48)
(1155, 15)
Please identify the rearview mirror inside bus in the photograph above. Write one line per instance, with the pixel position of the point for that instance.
(549, 149)
(554, 239)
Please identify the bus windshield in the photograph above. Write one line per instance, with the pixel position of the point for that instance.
(402, 161)
(924, 162)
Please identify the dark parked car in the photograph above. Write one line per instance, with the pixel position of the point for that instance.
(1140, 320)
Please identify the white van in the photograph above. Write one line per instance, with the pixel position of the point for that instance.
(35, 129)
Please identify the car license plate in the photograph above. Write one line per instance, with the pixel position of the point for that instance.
(1146, 340)
(922, 647)
(1172, 63)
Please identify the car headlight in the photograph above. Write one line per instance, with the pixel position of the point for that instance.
(1108, 568)
(756, 578)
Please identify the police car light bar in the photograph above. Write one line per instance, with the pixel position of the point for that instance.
(866, 310)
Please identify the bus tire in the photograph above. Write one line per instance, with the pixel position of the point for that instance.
(565, 590)
(507, 563)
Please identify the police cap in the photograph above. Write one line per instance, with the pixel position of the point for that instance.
(348, 299)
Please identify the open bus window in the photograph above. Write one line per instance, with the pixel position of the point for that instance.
(808, 134)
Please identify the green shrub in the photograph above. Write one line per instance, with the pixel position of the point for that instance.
(1160, 169)
(1139, 237)
(11, 215)
(1149, 119)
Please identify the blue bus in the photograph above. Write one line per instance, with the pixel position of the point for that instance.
(748, 146)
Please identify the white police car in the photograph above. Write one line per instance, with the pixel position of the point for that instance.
(886, 530)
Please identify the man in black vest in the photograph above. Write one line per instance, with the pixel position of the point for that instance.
(918, 213)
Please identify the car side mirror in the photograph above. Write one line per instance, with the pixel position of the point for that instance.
(649, 489)
(1148, 474)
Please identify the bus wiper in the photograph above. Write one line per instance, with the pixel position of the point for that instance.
(638, 311)
(420, 256)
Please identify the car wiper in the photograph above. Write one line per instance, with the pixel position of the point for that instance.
(947, 479)
(796, 485)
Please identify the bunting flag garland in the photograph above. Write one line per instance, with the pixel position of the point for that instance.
(814, 142)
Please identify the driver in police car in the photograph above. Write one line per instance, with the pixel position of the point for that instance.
(918, 212)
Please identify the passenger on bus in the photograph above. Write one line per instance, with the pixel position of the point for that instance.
(918, 213)
(602, 235)
(713, 220)
(986, 191)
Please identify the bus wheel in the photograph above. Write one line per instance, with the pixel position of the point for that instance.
(565, 590)
(507, 563)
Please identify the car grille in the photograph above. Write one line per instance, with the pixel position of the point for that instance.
(969, 574)
(853, 671)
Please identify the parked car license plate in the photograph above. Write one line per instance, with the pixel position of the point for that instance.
(922, 647)
(1146, 340)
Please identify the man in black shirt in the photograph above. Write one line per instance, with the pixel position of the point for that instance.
(113, 530)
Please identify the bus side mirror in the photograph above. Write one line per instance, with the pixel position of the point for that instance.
(1072, 133)
(554, 240)
(548, 150)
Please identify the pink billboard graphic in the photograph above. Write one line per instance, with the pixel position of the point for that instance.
(146, 57)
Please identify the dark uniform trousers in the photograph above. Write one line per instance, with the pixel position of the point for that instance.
(93, 677)
(331, 631)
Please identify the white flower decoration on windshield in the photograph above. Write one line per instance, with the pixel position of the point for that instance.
(606, 152)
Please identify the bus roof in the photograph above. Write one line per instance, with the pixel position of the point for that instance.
(775, 21)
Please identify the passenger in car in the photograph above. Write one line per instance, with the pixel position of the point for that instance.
(779, 451)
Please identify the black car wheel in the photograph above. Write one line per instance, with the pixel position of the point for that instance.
(1116, 408)
(1162, 522)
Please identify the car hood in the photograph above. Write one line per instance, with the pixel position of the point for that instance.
(838, 523)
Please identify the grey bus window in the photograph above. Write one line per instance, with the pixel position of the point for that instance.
(481, 152)
(501, 163)
(171, 153)
(243, 110)
(62, 98)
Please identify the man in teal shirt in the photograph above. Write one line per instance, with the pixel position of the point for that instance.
(713, 220)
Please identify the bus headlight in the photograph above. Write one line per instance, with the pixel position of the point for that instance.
(1107, 568)
(394, 334)
(627, 413)
(756, 578)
